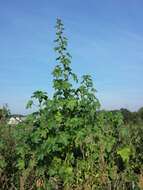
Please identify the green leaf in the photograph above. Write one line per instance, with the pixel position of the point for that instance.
(2, 163)
(71, 104)
(29, 104)
(125, 153)
(21, 164)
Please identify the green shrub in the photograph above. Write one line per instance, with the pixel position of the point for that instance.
(68, 143)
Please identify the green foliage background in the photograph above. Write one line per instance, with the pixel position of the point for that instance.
(68, 143)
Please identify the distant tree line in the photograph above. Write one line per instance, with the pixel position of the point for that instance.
(130, 117)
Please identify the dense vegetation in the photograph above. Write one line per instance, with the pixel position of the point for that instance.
(69, 143)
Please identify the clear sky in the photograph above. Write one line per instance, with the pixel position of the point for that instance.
(105, 40)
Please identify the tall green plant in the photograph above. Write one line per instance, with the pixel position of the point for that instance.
(68, 143)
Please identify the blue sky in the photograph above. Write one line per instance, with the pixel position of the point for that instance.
(105, 40)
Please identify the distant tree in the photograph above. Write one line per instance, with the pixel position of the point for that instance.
(4, 113)
(127, 115)
(1, 114)
(140, 112)
(135, 118)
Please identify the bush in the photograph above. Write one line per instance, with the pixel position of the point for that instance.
(68, 143)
